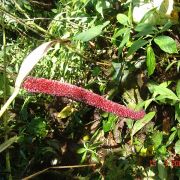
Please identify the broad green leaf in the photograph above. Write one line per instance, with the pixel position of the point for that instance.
(144, 26)
(167, 93)
(144, 29)
(162, 150)
(162, 171)
(136, 45)
(177, 112)
(178, 89)
(171, 138)
(177, 147)
(65, 112)
(109, 124)
(91, 33)
(150, 61)
(123, 19)
(8, 143)
(157, 138)
(166, 43)
(142, 122)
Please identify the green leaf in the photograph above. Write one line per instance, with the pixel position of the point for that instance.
(147, 103)
(8, 143)
(119, 33)
(109, 124)
(83, 157)
(65, 112)
(166, 43)
(147, 15)
(162, 172)
(178, 132)
(144, 29)
(166, 27)
(167, 93)
(178, 89)
(125, 40)
(157, 139)
(123, 19)
(177, 112)
(177, 147)
(81, 150)
(91, 33)
(142, 122)
(136, 45)
(171, 138)
(162, 150)
(101, 5)
(150, 61)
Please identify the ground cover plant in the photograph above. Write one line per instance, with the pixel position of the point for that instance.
(111, 108)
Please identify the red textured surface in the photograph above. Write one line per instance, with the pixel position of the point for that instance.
(41, 85)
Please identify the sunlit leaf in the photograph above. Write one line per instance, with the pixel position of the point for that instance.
(166, 43)
(108, 125)
(65, 112)
(157, 138)
(171, 138)
(91, 33)
(177, 147)
(165, 92)
(123, 19)
(142, 122)
(150, 61)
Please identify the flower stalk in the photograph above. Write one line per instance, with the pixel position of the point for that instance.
(57, 88)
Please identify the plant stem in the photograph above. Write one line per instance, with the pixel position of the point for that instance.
(5, 116)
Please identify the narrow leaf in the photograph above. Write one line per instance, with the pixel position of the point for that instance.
(166, 43)
(177, 147)
(8, 143)
(150, 61)
(136, 45)
(91, 33)
(142, 122)
(162, 171)
(178, 89)
(171, 138)
(177, 112)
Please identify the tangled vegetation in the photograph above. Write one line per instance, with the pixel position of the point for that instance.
(126, 51)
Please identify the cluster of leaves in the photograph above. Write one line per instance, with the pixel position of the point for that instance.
(102, 49)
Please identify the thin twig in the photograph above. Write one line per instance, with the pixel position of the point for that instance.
(57, 167)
